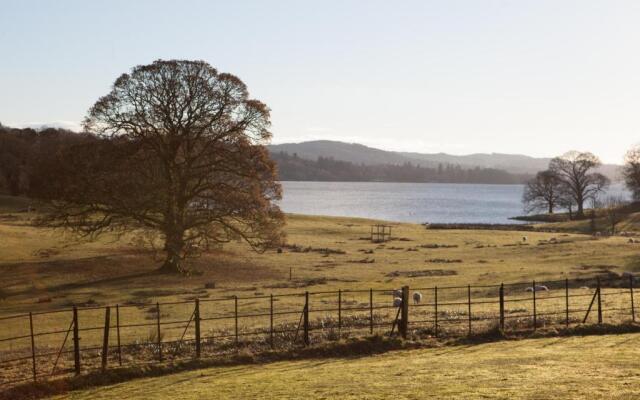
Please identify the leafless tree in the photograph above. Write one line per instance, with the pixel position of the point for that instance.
(543, 192)
(575, 170)
(177, 149)
(631, 172)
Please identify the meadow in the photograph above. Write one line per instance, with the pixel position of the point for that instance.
(46, 270)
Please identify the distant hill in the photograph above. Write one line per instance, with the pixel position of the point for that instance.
(360, 154)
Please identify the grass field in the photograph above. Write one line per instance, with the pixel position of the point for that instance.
(45, 270)
(593, 367)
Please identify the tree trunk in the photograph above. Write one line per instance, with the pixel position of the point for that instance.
(550, 208)
(173, 246)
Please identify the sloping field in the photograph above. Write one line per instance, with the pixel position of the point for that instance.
(593, 367)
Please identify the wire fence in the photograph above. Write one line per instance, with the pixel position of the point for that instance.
(46, 345)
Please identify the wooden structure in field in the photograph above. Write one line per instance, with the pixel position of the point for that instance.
(380, 233)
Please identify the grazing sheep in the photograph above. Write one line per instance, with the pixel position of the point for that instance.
(524, 239)
(397, 302)
(397, 293)
(584, 287)
(417, 298)
(538, 288)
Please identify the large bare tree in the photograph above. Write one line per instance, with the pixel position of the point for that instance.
(631, 172)
(543, 192)
(178, 150)
(576, 171)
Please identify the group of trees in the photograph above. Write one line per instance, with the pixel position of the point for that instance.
(572, 181)
(292, 167)
(175, 151)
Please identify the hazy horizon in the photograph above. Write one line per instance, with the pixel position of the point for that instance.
(458, 77)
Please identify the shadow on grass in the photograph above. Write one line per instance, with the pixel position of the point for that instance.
(322, 353)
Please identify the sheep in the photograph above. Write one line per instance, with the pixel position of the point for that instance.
(417, 298)
(538, 288)
(397, 301)
(524, 239)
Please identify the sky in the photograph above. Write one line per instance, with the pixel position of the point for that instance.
(528, 77)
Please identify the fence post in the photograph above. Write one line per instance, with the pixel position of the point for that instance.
(469, 306)
(105, 338)
(271, 320)
(306, 318)
(566, 302)
(371, 311)
(435, 311)
(159, 336)
(633, 309)
(339, 312)
(535, 314)
(404, 322)
(33, 348)
(235, 305)
(599, 302)
(76, 342)
(118, 334)
(501, 294)
(197, 321)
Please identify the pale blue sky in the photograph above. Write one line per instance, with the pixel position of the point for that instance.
(533, 77)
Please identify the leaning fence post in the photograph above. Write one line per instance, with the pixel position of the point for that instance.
(33, 349)
(501, 295)
(535, 315)
(306, 318)
(566, 302)
(158, 331)
(339, 312)
(105, 338)
(197, 321)
(76, 342)
(435, 311)
(404, 322)
(235, 305)
(118, 334)
(271, 320)
(599, 302)
(469, 306)
(371, 311)
(633, 309)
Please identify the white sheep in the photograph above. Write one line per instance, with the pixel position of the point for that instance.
(524, 239)
(397, 301)
(538, 288)
(417, 297)
(397, 293)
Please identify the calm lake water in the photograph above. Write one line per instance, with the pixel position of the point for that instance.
(407, 202)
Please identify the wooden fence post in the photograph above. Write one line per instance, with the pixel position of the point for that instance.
(633, 309)
(76, 342)
(306, 318)
(235, 304)
(404, 322)
(118, 334)
(33, 349)
(469, 306)
(339, 312)
(566, 302)
(271, 320)
(599, 302)
(371, 311)
(501, 295)
(435, 311)
(158, 332)
(535, 314)
(105, 337)
(197, 321)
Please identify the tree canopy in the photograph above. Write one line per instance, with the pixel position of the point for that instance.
(177, 148)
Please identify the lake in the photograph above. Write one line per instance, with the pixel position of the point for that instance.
(408, 202)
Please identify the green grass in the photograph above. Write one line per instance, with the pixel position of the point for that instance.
(593, 367)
